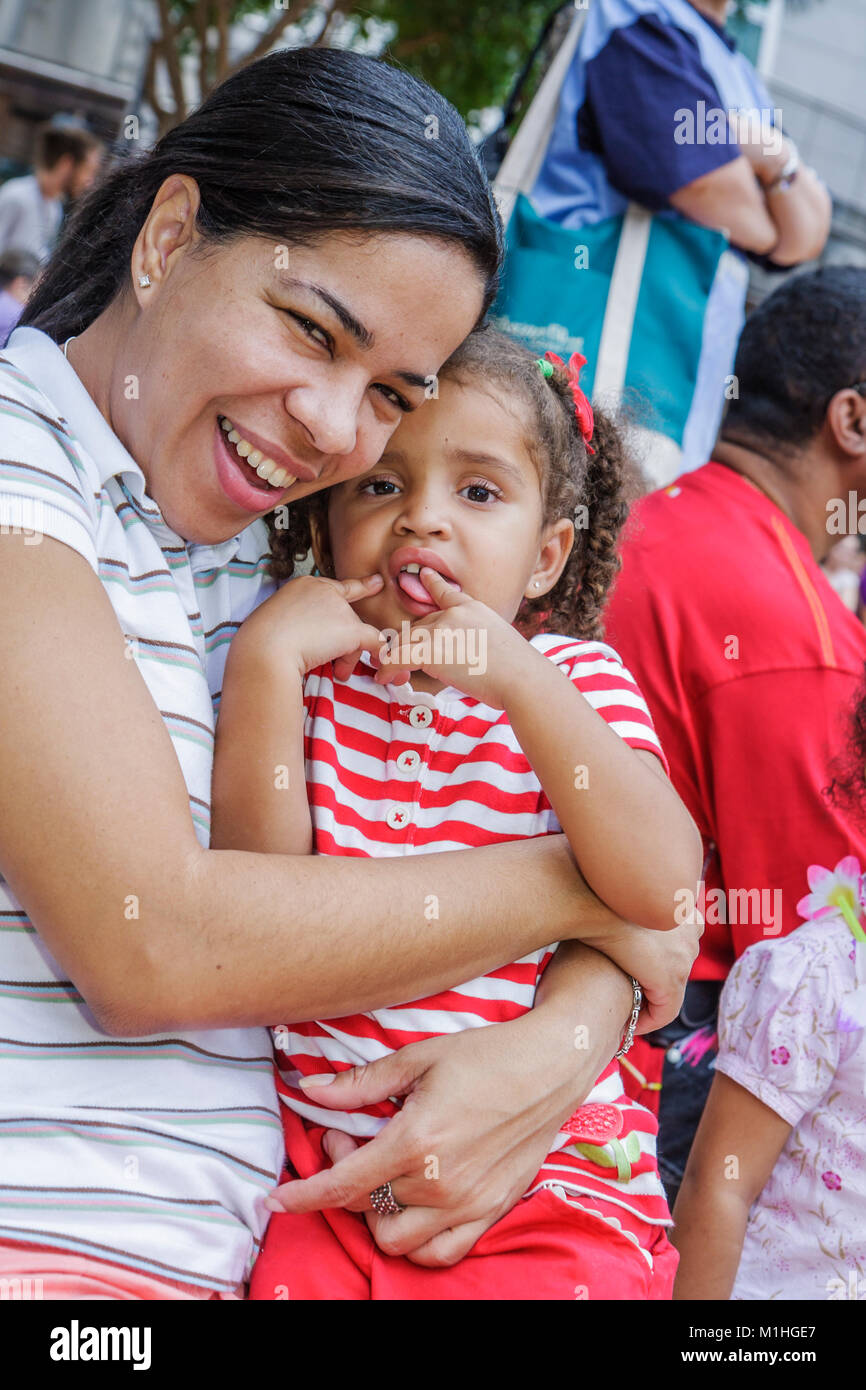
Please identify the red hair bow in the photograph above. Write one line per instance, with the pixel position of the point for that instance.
(582, 407)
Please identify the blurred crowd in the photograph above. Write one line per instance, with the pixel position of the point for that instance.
(66, 161)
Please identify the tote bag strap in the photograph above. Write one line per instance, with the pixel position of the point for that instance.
(520, 167)
(619, 314)
(660, 456)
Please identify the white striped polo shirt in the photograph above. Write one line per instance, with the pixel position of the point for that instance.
(392, 771)
(153, 1153)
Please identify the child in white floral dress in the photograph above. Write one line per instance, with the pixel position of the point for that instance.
(773, 1202)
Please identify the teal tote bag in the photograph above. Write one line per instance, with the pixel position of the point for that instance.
(630, 293)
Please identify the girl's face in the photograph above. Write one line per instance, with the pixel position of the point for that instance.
(309, 355)
(457, 490)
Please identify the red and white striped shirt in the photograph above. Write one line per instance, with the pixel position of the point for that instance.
(394, 771)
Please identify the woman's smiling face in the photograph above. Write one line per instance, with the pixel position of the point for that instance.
(305, 358)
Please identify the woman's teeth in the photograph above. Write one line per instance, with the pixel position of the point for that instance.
(265, 467)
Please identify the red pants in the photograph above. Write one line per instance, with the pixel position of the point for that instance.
(543, 1249)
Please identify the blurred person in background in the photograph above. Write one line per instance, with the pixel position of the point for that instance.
(843, 568)
(18, 270)
(746, 657)
(65, 163)
(660, 109)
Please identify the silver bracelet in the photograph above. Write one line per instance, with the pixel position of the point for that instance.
(782, 182)
(628, 1037)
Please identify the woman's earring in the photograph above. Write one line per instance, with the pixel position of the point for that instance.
(144, 282)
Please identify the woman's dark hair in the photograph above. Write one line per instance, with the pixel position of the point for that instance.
(803, 344)
(595, 490)
(299, 144)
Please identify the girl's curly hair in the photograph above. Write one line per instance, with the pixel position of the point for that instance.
(594, 490)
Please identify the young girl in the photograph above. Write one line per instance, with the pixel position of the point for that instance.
(499, 500)
(773, 1201)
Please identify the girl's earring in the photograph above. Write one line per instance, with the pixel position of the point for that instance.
(144, 282)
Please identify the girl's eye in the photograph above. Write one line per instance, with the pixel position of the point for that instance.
(394, 397)
(480, 492)
(313, 330)
(380, 487)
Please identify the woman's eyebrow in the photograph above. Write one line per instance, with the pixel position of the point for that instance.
(352, 325)
(415, 379)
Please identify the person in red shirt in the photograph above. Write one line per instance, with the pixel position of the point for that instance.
(748, 660)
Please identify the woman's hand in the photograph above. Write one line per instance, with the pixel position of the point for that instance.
(310, 621)
(473, 1132)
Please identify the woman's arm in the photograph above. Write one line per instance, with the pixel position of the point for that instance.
(486, 1104)
(95, 816)
(737, 1145)
(474, 1102)
(484, 1164)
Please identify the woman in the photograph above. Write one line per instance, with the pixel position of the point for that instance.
(295, 261)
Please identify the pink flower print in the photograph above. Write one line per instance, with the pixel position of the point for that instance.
(831, 1180)
(780, 1056)
(850, 1153)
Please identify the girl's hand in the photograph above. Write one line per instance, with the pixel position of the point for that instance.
(465, 644)
(473, 1132)
(660, 961)
(310, 621)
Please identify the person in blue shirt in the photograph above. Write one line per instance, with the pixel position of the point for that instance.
(659, 108)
